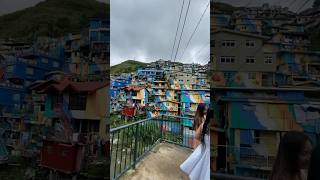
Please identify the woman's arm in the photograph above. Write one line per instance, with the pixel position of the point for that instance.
(197, 137)
(199, 132)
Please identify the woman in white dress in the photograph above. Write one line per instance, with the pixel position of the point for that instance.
(197, 166)
(198, 120)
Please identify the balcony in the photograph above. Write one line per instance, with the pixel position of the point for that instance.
(137, 149)
(154, 148)
(169, 155)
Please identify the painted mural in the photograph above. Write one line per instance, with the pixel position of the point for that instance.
(254, 109)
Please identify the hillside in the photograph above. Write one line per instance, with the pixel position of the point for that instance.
(223, 8)
(51, 18)
(127, 67)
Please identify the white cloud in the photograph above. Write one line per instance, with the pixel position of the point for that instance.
(145, 29)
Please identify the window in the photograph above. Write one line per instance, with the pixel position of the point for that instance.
(42, 107)
(55, 64)
(268, 60)
(228, 43)
(227, 59)
(250, 60)
(257, 137)
(10, 69)
(134, 93)
(44, 60)
(250, 43)
(28, 83)
(252, 76)
(16, 97)
(77, 101)
(29, 71)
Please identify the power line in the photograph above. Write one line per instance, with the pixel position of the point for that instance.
(294, 4)
(248, 3)
(185, 18)
(203, 54)
(174, 43)
(207, 57)
(194, 30)
(291, 3)
(206, 45)
(306, 2)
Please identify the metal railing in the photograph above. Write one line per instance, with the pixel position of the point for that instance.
(247, 156)
(245, 162)
(220, 176)
(131, 142)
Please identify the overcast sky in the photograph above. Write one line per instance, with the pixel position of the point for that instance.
(293, 5)
(8, 6)
(144, 30)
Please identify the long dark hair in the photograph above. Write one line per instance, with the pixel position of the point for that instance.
(206, 123)
(287, 165)
(199, 115)
(313, 173)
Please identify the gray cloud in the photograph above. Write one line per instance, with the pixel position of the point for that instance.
(294, 5)
(144, 30)
(9, 6)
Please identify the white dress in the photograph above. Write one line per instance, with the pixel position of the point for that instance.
(197, 166)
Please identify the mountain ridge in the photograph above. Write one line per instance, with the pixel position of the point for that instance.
(53, 18)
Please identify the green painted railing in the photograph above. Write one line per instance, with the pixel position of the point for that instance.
(130, 143)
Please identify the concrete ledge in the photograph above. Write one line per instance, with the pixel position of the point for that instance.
(162, 162)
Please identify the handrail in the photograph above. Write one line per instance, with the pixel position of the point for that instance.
(131, 142)
(221, 176)
(128, 125)
(143, 120)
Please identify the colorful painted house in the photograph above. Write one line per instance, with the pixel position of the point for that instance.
(175, 98)
(219, 21)
(17, 73)
(75, 109)
(87, 54)
(137, 95)
(151, 74)
(190, 99)
(248, 25)
(117, 84)
(99, 37)
(254, 124)
(261, 87)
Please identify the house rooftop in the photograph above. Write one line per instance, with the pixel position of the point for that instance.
(67, 85)
(134, 88)
(240, 33)
(285, 88)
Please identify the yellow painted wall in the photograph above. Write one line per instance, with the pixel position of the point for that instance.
(96, 109)
(141, 96)
(269, 140)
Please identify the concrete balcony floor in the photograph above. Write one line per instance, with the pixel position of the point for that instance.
(162, 162)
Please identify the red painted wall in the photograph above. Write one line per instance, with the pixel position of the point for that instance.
(65, 158)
